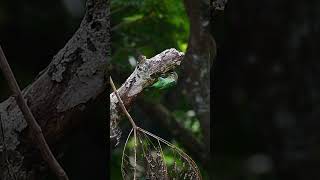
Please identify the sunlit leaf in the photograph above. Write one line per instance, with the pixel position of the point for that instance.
(182, 46)
(133, 18)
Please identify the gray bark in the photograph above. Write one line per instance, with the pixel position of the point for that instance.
(75, 77)
(144, 75)
(201, 51)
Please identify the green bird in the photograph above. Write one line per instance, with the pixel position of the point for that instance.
(166, 82)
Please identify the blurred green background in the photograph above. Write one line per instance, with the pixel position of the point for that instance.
(148, 27)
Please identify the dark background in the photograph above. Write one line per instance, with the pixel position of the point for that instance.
(31, 33)
(266, 91)
(265, 85)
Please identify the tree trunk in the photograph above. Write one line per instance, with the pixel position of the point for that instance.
(75, 77)
(196, 69)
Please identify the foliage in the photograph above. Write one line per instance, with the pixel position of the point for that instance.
(189, 121)
(147, 27)
(145, 158)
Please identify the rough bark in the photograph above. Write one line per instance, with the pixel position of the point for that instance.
(144, 75)
(75, 77)
(195, 79)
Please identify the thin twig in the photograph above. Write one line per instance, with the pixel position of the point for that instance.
(144, 75)
(35, 128)
(131, 121)
(122, 105)
(136, 128)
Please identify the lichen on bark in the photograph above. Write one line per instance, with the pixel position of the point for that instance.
(75, 77)
(144, 75)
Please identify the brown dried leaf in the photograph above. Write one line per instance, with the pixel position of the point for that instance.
(144, 158)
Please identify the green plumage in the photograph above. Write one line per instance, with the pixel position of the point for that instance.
(166, 82)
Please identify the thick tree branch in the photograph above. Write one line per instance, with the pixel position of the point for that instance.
(32, 123)
(74, 78)
(143, 76)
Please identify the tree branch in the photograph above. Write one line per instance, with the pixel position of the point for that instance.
(75, 77)
(143, 76)
(27, 114)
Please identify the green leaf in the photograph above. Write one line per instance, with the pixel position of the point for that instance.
(133, 18)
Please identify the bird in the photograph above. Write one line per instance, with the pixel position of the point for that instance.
(165, 82)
